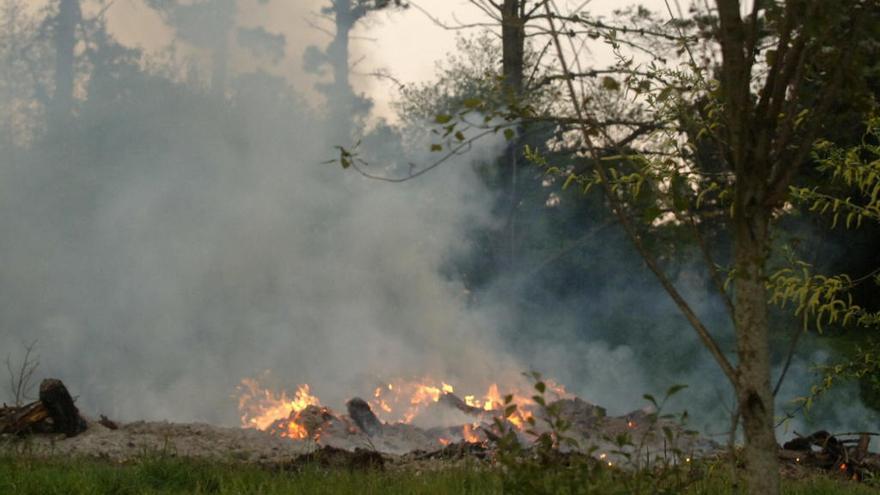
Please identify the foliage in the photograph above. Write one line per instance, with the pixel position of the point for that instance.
(558, 463)
(823, 300)
(863, 366)
(857, 168)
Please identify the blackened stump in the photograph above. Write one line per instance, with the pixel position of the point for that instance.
(65, 416)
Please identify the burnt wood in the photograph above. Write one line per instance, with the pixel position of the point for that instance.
(25, 419)
(363, 416)
(65, 416)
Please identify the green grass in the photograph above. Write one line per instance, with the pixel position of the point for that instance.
(164, 475)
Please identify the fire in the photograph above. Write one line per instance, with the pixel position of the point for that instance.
(261, 408)
(397, 401)
(493, 398)
(467, 433)
(519, 418)
(403, 400)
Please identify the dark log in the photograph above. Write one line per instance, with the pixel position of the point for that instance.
(25, 419)
(65, 416)
(108, 423)
(363, 417)
(456, 402)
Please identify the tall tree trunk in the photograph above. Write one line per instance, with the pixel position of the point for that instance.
(751, 223)
(513, 39)
(61, 106)
(513, 62)
(754, 394)
(341, 97)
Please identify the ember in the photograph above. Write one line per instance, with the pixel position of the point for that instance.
(846, 453)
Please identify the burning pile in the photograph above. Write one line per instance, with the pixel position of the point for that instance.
(426, 411)
(403, 416)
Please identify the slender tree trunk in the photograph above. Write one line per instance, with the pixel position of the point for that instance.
(513, 62)
(513, 39)
(754, 393)
(341, 97)
(66, 22)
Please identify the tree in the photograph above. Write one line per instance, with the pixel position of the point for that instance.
(209, 24)
(782, 65)
(765, 135)
(761, 108)
(345, 105)
(64, 26)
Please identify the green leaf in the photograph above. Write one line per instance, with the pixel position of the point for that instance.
(509, 410)
(471, 102)
(459, 135)
(540, 387)
(436, 147)
(509, 134)
(610, 84)
(651, 213)
(442, 118)
(675, 389)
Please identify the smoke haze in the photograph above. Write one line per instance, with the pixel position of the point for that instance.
(170, 244)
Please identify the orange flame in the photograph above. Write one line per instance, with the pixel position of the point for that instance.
(467, 433)
(398, 401)
(261, 408)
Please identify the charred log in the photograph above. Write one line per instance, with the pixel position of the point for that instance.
(455, 402)
(30, 418)
(849, 457)
(362, 415)
(108, 423)
(53, 413)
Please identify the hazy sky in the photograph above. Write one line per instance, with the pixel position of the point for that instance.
(406, 44)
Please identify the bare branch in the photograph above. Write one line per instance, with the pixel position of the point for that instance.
(21, 377)
(462, 147)
(458, 27)
(617, 209)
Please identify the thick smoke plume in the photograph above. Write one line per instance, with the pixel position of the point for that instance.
(169, 243)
